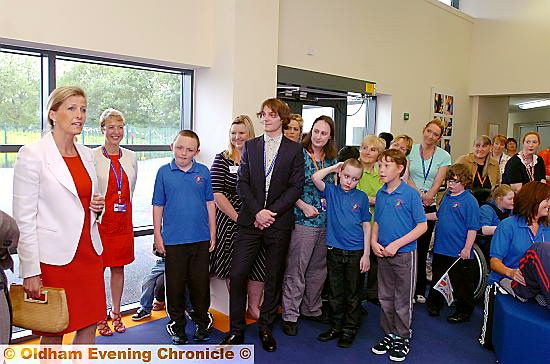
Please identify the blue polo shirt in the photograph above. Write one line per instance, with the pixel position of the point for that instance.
(183, 196)
(346, 212)
(456, 215)
(512, 238)
(488, 216)
(397, 213)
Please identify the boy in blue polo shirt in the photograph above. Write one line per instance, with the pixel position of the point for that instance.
(455, 234)
(348, 237)
(399, 220)
(184, 222)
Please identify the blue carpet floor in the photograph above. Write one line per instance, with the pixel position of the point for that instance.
(434, 341)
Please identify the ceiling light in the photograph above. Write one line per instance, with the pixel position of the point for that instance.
(534, 104)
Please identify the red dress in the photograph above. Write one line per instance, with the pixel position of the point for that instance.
(82, 278)
(116, 228)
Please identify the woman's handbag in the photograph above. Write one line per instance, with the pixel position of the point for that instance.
(49, 313)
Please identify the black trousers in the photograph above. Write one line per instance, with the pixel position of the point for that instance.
(187, 269)
(247, 245)
(422, 247)
(461, 280)
(345, 283)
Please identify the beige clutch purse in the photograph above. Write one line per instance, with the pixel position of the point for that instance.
(47, 314)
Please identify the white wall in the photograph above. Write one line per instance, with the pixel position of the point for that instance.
(510, 56)
(177, 31)
(406, 47)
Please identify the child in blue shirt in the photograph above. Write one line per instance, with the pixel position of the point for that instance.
(399, 220)
(348, 241)
(184, 224)
(455, 234)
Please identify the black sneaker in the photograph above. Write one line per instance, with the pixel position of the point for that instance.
(201, 334)
(179, 339)
(140, 315)
(400, 349)
(384, 345)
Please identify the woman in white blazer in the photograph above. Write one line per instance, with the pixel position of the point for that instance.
(116, 169)
(55, 202)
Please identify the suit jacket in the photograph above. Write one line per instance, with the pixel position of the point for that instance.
(103, 169)
(47, 208)
(287, 182)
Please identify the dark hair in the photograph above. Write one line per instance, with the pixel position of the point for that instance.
(190, 134)
(511, 140)
(388, 137)
(347, 152)
(462, 173)
(396, 156)
(528, 199)
(330, 147)
(278, 106)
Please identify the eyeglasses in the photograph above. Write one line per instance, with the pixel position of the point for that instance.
(453, 181)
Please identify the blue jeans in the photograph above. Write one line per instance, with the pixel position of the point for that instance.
(148, 286)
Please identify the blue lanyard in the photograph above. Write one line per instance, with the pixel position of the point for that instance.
(270, 169)
(532, 236)
(424, 172)
(118, 177)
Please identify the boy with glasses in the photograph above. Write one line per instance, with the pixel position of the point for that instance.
(454, 237)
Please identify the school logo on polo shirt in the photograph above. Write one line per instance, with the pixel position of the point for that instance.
(199, 180)
(455, 205)
(355, 207)
(398, 203)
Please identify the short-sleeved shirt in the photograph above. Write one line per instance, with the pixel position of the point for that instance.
(516, 171)
(311, 194)
(456, 215)
(370, 183)
(397, 213)
(487, 215)
(512, 238)
(416, 172)
(183, 196)
(346, 212)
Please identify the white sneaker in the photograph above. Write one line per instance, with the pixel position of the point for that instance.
(419, 299)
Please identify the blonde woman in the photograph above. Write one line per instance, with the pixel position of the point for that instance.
(224, 180)
(55, 201)
(116, 169)
(427, 168)
(295, 128)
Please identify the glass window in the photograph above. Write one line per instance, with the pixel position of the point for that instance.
(148, 165)
(312, 112)
(156, 103)
(149, 99)
(20, 84)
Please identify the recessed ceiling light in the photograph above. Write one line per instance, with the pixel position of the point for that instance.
(534, 104)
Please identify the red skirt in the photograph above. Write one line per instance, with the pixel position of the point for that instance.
(84, 286)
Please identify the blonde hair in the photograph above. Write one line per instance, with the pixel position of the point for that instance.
(500, 191)
(500, 139)
(110, 113)
(58, 96)
(299, 120)
(372, 139)
(407, 139)
(231, 152)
